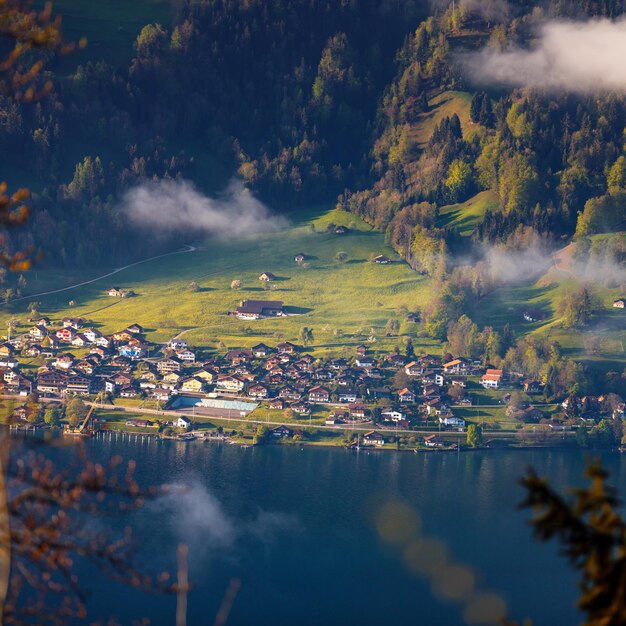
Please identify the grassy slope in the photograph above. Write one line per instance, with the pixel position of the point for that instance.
(506, 305)
(465, 216)
(445, 104)
(353, 295)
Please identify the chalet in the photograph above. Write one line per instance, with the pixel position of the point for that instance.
(430, 389)
(300, 257)
(361, 350)
(381, 259)
(256, 309)
(34, 350)
(170, 380)
(434, 441)
(430, 360)
(79, 386)
(365, 361)
(287, 347)
(406, 395)
(72, 322)
(456, 366)
(619, 304)
(435, 407)
(276, 404)
(452, 420)
(43, 321)
(395, 360)
(300, 408)
(373, 438)
(261, 350)
(290, 394)
(122, 379)
(133, 352)
(267, 277)
(6, 350)
(258, 391)
(135, 329)
(162, 395)
(103, 342)
(115, 292)
(323, 374)
(186, 355)
(85, 367)
(281, 432)
(348, 396)
(319, 395)
(206, 374)
(9, 361)
(80, 340)
(236, 357)
(413, 369)
(182, 422)
(458, 381)
(391, 415)
(177, 344)
(123, 335)
(92, 334)
(491, 379)
(531, 386)
(229, 383)
(169, 365)
(378, 393)
(357, 410)
(66, 334)
(193, 385)
(345, 381)
(333, 419)
(64, 361)
(38, 332)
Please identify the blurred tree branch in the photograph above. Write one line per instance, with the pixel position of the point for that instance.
(593, 535)
(50, 513)
(31, 36)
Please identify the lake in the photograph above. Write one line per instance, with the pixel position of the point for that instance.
(313, 534)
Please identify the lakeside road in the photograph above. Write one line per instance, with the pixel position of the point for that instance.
(225, 415)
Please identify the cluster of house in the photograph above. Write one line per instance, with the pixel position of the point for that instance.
(120, 363)
(79, 360)
(391, 390)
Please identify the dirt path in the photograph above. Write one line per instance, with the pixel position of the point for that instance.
(116, 271)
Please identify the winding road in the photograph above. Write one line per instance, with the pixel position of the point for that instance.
(116, 271)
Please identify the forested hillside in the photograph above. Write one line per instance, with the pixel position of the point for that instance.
(313, 101)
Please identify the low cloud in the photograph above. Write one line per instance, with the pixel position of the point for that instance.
(169, 207)
(198, 518)
(570, 56)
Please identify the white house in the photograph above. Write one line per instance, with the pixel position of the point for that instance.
(392, 416)
(182, 422)
(491, 379)
(452, 420)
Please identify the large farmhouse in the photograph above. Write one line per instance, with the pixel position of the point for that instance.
(256, 309)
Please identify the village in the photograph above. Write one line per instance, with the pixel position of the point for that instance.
(378, 394)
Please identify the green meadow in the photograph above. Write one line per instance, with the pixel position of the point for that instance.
(344, 302)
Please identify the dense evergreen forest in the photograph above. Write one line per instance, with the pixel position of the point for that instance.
(316, 101)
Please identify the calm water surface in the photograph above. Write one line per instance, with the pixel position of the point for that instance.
(295, 526)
